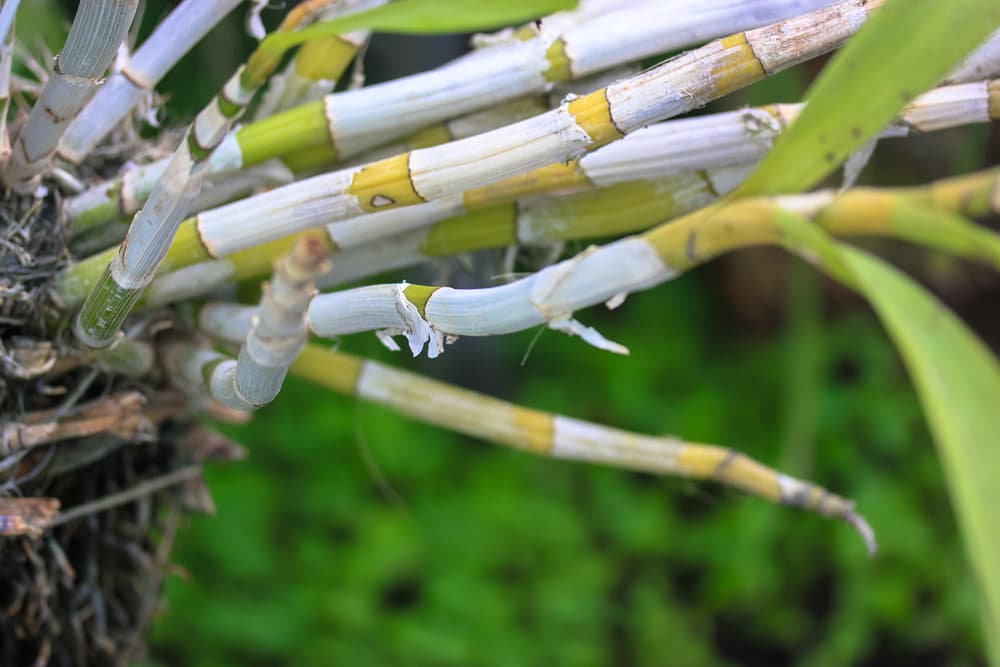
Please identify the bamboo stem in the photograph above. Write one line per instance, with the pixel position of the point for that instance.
(116, 199)
(155, 225)
(313, 71)
(8, 11)
(277, 335)
(98, 28)
(273, 340)
(577, 44)
(175, 36)
(432, 316)
(609, 211)
(722, 143)
(556, 436)
(563, 134)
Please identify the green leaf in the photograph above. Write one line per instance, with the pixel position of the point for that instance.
(424, 16)
(906, 47)
(957, 379)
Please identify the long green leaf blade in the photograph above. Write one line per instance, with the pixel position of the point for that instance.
(958, 381)
(906, 47)
(423, 16)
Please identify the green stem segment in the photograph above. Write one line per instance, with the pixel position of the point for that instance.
(106, 307)
(155, 225)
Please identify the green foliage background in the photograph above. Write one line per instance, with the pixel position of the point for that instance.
(354, 536)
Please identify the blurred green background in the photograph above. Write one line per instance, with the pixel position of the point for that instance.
(354, 536)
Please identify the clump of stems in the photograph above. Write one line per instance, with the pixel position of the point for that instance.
(98, 29)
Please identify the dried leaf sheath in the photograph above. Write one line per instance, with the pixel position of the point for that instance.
(26, 516)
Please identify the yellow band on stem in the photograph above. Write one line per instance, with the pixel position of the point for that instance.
(969, 194)
(259, 260)
(537, 429)
(385, 184)
(187, 248)
(730, 467)
(738, 66)
(593, 113)
(492, 227)
(709, 232)
(559, 176)
(860, 211)
(324, 59)
(335, 370)
(435, 135)
(993, 89)
(418, 296)
(558, 68)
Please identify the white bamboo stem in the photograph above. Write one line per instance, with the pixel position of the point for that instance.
(435, 316)
(712, 142)
(8, 10)
(155, 225)
(276, 335)
(175, 36)
(361, 119)
(123, 196)
(535, 221)
(288, 88)
(721, 148)
(579, 125)
(98, 29)
(705, 142)
(677, 86)
(460, 127)
(550, 297)
(546, 434)
(153, 228)
(222, 188)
